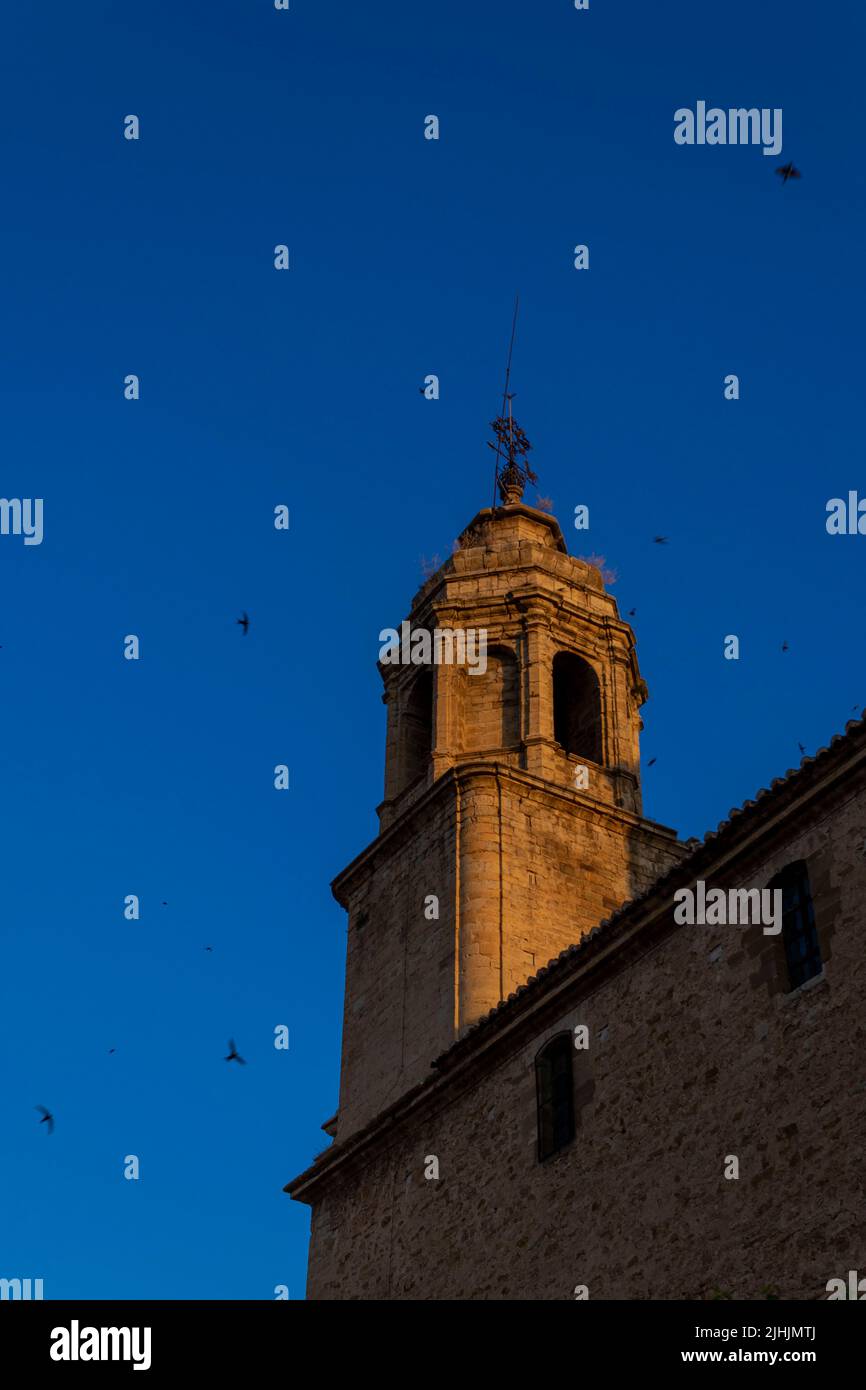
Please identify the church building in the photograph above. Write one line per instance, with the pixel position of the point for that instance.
(551, 1087)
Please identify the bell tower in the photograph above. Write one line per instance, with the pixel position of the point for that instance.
(512, 817)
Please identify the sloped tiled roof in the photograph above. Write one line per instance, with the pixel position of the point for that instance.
(767, 798)
(766, 801)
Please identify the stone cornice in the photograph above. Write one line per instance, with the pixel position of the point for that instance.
(463, 773)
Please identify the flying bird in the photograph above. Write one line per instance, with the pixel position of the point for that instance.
(789, 171)
(208, 948)
(234, 1055)
(47, 1118)
(785, 647)
(111, 1049)
(243, 622)
(660, 540)
(651, 761)
(631, 612)
(801, 748)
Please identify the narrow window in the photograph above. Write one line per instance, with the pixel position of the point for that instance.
(417, 731)
(555, 1095)
(576, 707)
(799, 934)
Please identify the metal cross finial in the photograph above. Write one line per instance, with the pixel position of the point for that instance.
(513, 477)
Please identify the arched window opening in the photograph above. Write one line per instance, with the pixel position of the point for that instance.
(799, 933)
(491, 710)
(417, 730)
(576, 707)
(554, 1085)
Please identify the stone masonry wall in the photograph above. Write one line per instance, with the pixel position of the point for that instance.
(697, 1051)
(540, 867)
(536, 869)
(399, 1001)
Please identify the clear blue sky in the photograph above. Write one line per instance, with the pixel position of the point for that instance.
(258, 387)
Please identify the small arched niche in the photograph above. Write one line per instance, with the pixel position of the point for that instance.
(491, 704)
(416, 728)
(576, 707)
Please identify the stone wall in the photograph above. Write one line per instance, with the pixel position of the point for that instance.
(697, 1051)
(520, 870)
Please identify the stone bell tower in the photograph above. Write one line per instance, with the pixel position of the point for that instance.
(512, 819)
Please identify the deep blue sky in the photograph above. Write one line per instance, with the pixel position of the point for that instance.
(259, 387)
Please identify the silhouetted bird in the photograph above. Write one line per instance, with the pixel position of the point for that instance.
(111, 1049)
(234, 1055)
(788, 171)
(47, 1118)
(660, 540)
(208, 948)
(243, 622)
(423, 390)
(651, 761)
(631, 612)
(801, 748)
(785, 647)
